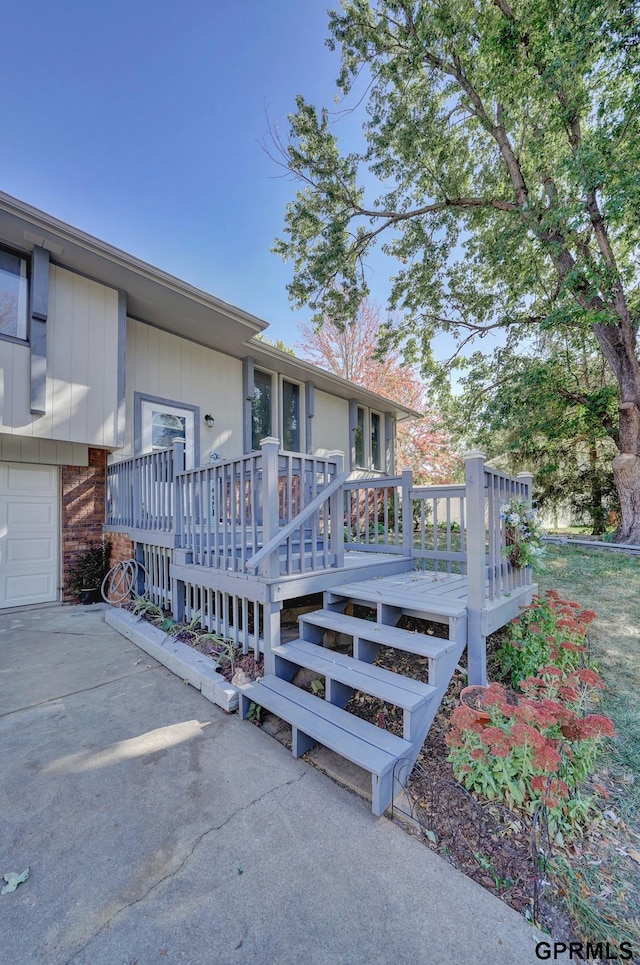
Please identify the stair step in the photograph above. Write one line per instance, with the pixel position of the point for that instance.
(366, 593)
(392, 688)
(316, 721)
(386, 636)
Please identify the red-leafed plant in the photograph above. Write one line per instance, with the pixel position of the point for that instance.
(541, 745)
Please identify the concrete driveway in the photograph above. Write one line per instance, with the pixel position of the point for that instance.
(158, 829)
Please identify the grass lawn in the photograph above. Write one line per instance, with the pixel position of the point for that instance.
(601, 876)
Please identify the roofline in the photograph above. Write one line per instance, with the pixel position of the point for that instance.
(44, 222)
(124, 260)
(378, 401)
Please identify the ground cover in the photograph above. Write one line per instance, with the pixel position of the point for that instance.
(596, 876)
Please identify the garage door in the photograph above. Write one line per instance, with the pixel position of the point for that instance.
(28, 534)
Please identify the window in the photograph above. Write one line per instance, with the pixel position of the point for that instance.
(359, 442)
(290, 416)
(13, 295)
(163, 423)
(376, 441)
(260, 408)
(371, 448)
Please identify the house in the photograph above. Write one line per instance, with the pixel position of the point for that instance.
(241, 479)
(104, 357)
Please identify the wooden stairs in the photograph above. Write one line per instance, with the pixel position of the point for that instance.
(317, 720)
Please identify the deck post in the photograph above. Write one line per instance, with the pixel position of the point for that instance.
(136, 483)
(178, 463)
(271, 612)
(526, 481)
(476, 566)
(270, 567)
(336, 513)
(407, 513)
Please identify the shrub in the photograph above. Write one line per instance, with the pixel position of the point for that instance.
(537, 750)
(89, 567)
(549, 631)
(539, 746)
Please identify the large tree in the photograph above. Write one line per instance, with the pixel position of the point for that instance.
(499, 165)
(350, 351)
(551, 409)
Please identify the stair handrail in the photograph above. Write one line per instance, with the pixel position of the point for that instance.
(283, 534)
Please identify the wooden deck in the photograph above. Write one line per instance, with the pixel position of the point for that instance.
(434, 595)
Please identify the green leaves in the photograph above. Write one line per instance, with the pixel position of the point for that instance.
(486, 147)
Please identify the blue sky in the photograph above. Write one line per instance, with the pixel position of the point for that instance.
(142, 123)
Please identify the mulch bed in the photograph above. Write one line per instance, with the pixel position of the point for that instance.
(486, 842)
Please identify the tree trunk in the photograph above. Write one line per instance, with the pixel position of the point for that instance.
(626, 474)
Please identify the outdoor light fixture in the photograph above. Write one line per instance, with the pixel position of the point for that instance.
(209, 420)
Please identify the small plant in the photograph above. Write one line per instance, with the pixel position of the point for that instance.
(523, 533)
(254, 713)
(501, 884)
(143, 607)
(549, 631)
(317, 686)
(190, 631)
(227, 653)
(89, 567)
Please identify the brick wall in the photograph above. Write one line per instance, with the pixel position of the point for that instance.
(122, 547)
(83, 507)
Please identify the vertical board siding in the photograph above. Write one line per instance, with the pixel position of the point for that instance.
(330, 423)
(166, 366)
(81, 392)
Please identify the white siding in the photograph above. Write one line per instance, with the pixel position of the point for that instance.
(43, 451)
(82, 367)
(330, 425)
(169, 367)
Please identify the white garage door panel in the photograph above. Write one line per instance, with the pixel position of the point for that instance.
(30, 513)
(21, 479)
(28, 534)
(29, 588)
(30, 551)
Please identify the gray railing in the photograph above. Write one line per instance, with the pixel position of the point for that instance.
(228, 511)
(140, 490)
(439, 528)
(390, 515)
(312, 541)
(373, 514)
(219, 511)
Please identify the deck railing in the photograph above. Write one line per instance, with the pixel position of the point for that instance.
(140, 490)
(225, 513)
(390, 515)
(439, 528)
(219, 511)
(312, 541)
(222, 513)
(373, 514)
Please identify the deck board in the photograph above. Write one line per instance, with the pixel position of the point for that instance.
(425, 591)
